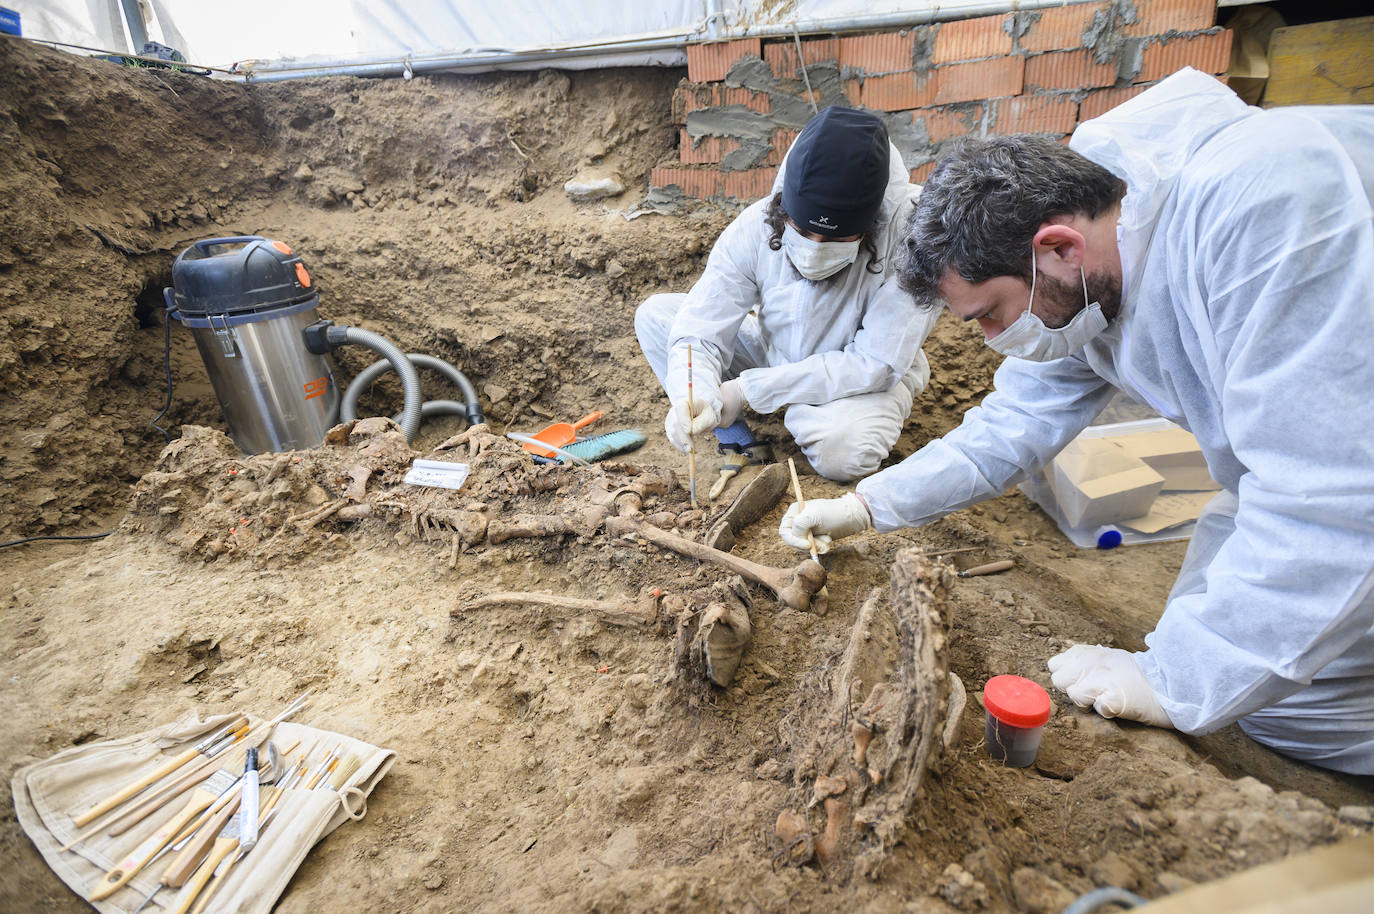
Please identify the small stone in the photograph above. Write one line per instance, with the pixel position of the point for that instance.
(1173, 882)
(1356, 815)
(1113, 870)
(999, 516)
(434, 881)
(495, 392)
(1004, 597)
(1038, 893)
(770, 769)
(635, 787)
(304, 174)
(613, 269)
(593, 186)
(621, 849)
(958, 887)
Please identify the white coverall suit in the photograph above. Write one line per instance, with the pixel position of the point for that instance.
(1247, 317)
(841, 355)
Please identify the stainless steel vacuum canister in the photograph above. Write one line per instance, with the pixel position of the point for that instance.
(246, 300)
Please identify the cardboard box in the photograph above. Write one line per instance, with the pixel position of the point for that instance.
(1095, 482)
(1172, 453)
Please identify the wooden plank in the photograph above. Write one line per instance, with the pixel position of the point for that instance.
(1336, 879)
(1325, 63)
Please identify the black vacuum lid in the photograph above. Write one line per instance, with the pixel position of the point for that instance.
(242, 273)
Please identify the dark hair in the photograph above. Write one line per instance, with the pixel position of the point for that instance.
(981, 207)
(776, 219)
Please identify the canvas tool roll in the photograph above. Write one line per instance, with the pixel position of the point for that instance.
(48, 794)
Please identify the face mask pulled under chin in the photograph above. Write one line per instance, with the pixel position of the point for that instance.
(817, 259)
(1029, 338)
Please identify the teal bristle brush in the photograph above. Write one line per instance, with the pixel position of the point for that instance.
(599, 447)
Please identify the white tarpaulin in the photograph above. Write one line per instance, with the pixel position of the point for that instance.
(282, 34)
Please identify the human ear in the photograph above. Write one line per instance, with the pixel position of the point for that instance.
(1062, 242)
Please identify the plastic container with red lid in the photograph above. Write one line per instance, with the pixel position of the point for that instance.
(1017, 710)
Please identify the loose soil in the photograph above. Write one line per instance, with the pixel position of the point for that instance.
(547, 761)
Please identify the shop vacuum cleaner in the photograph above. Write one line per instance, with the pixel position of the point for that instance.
(251, 306)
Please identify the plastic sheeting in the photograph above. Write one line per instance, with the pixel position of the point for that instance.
(284, 34)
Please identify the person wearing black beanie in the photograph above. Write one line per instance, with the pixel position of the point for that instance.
(799, 309)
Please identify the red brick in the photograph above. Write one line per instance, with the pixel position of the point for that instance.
(1036, 114)
(1061, 27)
(707, 63)
(1068, 70)
(694, 182)
(754, 101)
(920, 173)
(970, 39)
(965, 82)
(782, 141)
(950, 121)
(705, 150)
(689, 98)
(897, 92)
(782, 55)
(1155, 17)
(684, 100)
(890, 52)
(748, 185)
(1100, 102)
(1210, 53)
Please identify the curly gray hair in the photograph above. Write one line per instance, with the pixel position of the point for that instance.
(985, 200)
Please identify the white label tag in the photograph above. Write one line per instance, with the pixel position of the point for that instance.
(439, 473)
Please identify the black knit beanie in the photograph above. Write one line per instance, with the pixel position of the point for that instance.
(837, 173)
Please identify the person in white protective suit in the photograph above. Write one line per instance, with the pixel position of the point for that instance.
(1215, 261)
(798, 309)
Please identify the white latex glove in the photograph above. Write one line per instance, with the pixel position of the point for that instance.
(681, 430)
(1108, 680)
(825, 519)
(731, 401)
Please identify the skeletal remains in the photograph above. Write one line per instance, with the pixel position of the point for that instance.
(793, 586)
(884, 727)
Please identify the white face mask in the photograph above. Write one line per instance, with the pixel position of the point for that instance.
(1029, 338)
(817, 259)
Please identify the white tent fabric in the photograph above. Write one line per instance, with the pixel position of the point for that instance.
(284, 34)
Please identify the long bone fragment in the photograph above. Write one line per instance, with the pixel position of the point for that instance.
(793, 586)
(612, 612)
(525, 526)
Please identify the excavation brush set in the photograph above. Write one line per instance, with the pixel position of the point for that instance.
(209, 815)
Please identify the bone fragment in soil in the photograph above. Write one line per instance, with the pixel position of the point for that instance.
(525, 526)
(958, 699)
(612, 612)
(863, 735)
(793, 586)
(474, 437)
(887, 720)
(310, 519)
(724, 634)
(798, 843)
(830, 844)
(826, 786)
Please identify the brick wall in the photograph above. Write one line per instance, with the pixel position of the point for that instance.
(1035, 72)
